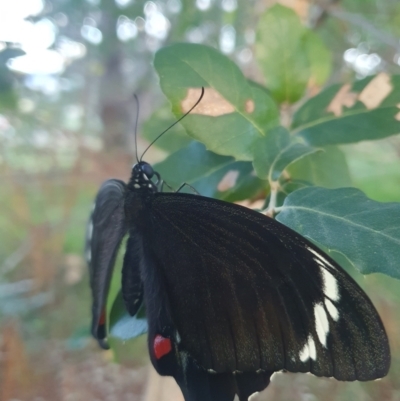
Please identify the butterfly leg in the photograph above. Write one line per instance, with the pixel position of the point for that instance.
(185, 184)
(179, 189)
(162, 186)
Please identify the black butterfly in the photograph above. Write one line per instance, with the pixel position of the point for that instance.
(231, 295)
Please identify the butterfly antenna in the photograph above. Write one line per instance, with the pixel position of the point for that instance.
(136, 124)
(176, 122)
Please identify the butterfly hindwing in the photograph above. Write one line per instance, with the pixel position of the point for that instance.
(199, 385)
(247, 294)
(165, 349)
(106, 229)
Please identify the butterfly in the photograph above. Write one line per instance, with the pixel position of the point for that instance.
(231, 295)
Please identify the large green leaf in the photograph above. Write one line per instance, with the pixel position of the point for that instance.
(344, 220)
(281, 55)
(161, 119)
(289, 54)
(319, 57)
(327, 168)
(189, 164)
(233, 182)
(277, 151)
(233, 113)
(365, 110)
(374, 167)
(210, 174)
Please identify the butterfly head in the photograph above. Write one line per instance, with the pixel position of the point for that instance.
(142, 174)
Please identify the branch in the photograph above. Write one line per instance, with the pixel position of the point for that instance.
(361, 22)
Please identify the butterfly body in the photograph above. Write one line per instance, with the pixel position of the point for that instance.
(231, 295)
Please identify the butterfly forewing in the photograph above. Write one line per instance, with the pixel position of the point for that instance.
(247, 294)
(106, 229)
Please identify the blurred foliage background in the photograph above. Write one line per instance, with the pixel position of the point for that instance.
(68, 70)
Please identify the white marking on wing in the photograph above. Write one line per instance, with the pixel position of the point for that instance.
(304, 353)
(321, 323)
(90, 230)
(184, 361)
(331, 288)
(332, 310)
(312, 348)
(309, 350)
(321, 258)
(88, 255)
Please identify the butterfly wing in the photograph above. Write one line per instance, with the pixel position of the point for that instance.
(132, 285)
(105, 231)
(247, 294)
(198, 385)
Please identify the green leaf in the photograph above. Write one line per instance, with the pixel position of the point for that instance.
(277, 151)
(374, 168)
(290, 54)
(190, 164)
(122, 325)
(327, 169)
(210, 174)
(233, 113)
(234, 182)
(157, 123)
(344, 220)
(365, 110)
(320, 58)
(281, 54)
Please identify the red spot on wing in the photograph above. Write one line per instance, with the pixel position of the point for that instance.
(162, 346)
(102, 319)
